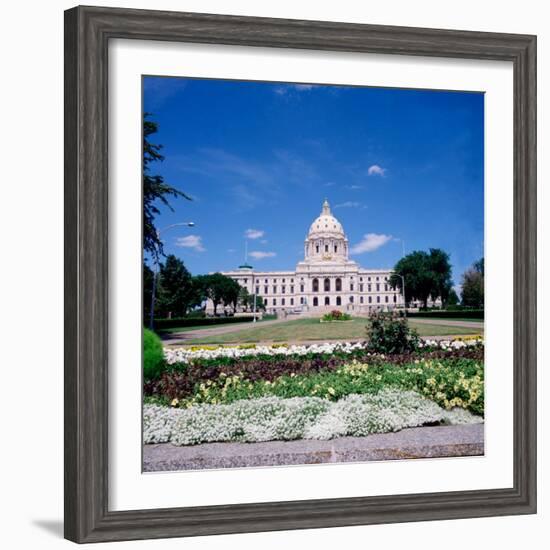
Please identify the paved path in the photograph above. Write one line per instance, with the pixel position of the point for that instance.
(425, 442)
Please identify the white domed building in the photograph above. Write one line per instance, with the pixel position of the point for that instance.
(324, 280)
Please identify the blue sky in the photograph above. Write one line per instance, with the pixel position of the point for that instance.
(397, 166)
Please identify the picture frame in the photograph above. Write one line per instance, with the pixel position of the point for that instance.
(87, 34)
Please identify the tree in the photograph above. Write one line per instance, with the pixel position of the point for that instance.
(473, 285)
(453, 298)
(148, 276)
(154, 189)
(219, 289)
(426, 274)
(440, 268)
(246, 300)
(177, 287)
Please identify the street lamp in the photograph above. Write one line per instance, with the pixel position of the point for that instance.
(157, 269)
(403, 290)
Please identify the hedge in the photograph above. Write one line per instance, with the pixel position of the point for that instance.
(455, 314)
(199, 322)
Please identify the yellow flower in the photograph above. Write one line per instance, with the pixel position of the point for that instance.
(174, 402)
(332, 391)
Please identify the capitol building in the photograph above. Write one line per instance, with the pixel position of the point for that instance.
(325, 279)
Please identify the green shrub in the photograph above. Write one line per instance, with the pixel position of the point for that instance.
(390, 333)
(451, 313)
(153, 356)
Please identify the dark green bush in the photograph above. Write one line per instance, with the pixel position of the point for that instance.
(450, 314)
(389, 332)
(153, 356)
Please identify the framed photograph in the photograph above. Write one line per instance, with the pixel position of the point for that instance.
(300, 265)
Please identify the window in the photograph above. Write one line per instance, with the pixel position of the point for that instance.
(283, 289)
(292, 301)
(291, 290)
(301, 288)
(378, 299)
(327, 300)
(338, 301)
(302, 300)
(369, 288)
(315, 301)
(274, 290)
(394, 298)
(326, 285)
(377, 287)
(326, 248)
(266, 290)
(360, 288)
(274, 280)
(283, 280)
(361, 279)
(292, 280)
(338, 285)
(369, 278)
(317, 249)
(274, 301)
(283, 301)
(377, 278)
(351, 287)
(335, 249)
(244, 281)
(265, 281)
(266, 301)
(257, 290)
(386, 288)
(351, 299)
(361, 299)
(386, 299)
(315, 285)
(370, 299)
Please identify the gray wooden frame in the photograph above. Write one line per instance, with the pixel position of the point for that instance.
(87, 34)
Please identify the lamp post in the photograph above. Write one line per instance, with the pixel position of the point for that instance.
(254, 290)
(157, 269)
(403, 290)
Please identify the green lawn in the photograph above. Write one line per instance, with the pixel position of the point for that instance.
(312, 329)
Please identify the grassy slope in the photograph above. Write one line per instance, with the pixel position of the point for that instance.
(312, 329)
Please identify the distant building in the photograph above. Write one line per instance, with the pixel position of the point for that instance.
(326, 279)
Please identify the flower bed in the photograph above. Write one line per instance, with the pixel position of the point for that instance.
(335, 315)
(275, 418)
(448, 380)
(187, 355)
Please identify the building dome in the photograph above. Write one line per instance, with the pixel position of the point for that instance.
(326, 240)
(326, 225)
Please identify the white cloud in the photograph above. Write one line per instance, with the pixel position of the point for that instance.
(376, 170)
(348, 204)
(286, 88)
(370, 242)
(191, 241)
(354, 187)
(259, 255)
(254, 233)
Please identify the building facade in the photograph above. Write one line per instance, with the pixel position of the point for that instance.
(324, 280)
